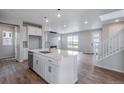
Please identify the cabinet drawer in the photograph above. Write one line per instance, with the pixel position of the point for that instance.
(51, 60)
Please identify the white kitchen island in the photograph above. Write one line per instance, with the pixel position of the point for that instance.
(58, 67)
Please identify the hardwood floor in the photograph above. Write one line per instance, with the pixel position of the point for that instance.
(12, 72)
(90, 74)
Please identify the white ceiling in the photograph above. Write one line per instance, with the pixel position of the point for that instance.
(72, 18)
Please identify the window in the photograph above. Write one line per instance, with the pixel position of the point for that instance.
(72, 41)
(96, 40)
(7, 38)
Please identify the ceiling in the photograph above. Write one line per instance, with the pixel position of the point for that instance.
(72, 18)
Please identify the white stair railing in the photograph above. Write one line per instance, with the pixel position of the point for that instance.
(111, 46)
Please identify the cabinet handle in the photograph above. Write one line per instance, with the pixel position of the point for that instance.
(50, 60)
(49, 69)
(37, 62)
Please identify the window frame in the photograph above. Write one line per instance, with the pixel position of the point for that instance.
(71, 41)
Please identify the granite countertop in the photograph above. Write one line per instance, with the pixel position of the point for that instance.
(57, 54)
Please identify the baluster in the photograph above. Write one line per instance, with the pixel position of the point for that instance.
(119, 37)
(99, 52)
(123, 39)
(118, 42)
(112, 44)
(103, 49)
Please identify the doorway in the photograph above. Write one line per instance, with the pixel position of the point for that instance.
(7, 41)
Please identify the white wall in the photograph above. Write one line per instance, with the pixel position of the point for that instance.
(114, 62)
(85, 40)
(111, 29)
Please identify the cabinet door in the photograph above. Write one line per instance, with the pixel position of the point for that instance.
(34, 31)
(35, 63)
(42, 67)
(31, 30)
(50, 72)
(38, 31)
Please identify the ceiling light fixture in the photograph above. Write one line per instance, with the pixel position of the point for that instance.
(64, 25)
(59, 14)
(85, 22)
(117, 20)
(46, 19)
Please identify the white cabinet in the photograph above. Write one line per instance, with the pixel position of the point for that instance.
(34, 31)
(43, 67)
(25, 53)
(24, 35)
(50, 72)
(64, 71)
(36, 64)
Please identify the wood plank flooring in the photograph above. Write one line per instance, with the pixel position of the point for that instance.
(90, 74)
(12, 72)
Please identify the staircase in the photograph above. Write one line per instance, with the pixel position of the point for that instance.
(111, 46)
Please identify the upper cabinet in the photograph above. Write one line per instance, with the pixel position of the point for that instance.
(34, 31)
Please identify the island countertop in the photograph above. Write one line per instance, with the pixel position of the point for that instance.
(57, 54)
(57, 67)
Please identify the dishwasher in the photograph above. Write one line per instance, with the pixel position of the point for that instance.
(30, 59)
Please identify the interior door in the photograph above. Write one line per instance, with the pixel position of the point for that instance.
(7, 47)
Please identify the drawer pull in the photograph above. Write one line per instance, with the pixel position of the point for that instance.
(49, 69)
(37, 62)
(50, 60)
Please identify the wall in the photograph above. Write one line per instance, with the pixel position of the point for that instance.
(115, 62)
(111, 29)
(85, 40)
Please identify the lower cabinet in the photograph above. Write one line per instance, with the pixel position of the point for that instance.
(56, 72)
(36, 64)
(50, 71)
(44, 68)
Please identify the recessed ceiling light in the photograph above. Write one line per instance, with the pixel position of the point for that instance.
(59, 15)
(117, 20)
(85, 22)
(64, 25)
(47, 20)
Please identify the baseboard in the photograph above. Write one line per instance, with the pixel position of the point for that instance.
(115, 70)
(6, 57)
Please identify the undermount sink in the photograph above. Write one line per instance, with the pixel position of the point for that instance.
(44, 52)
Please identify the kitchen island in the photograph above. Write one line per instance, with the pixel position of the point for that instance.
(56, 67)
